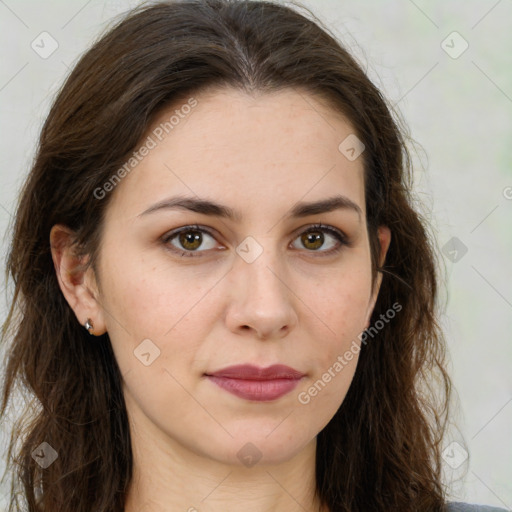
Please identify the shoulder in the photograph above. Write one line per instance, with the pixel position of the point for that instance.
(466, 507)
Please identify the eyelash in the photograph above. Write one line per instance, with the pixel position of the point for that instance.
(339, 235)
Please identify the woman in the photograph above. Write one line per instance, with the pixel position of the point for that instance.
(225, 299)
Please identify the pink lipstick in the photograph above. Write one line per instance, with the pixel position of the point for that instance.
(254, 383)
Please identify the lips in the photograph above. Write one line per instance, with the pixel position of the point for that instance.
(251, 372)
(254, 383)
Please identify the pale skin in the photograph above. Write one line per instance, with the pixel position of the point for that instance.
(258, 155)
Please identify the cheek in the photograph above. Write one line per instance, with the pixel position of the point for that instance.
(333, 359)
(148, 302)
(341, 302)
(150, 298)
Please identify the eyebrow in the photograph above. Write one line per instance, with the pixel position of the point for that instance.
(207, 207)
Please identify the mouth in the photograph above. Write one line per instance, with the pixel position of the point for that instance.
(258, 384)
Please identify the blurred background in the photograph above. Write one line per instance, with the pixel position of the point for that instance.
(447, 68)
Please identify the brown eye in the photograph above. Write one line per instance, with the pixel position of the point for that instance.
(189, 240)
(328, 238)
(312, 240)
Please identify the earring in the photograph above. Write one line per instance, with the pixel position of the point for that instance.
(88, 325)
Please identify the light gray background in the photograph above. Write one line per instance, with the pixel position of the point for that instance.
(458, 109)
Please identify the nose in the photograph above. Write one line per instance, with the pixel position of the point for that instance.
(260, 298)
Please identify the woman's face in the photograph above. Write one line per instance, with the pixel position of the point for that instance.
(253, 287)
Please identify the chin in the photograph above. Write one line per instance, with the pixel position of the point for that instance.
(257, 447)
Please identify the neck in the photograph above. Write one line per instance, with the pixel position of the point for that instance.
(168, 477)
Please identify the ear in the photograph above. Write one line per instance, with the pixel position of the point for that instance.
(79, 287)
(384, 235)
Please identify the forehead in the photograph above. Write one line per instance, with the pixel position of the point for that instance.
(244, 150)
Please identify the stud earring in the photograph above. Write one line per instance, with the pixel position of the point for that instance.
(88, 326)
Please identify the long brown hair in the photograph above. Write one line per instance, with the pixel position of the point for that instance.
(381, 450)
